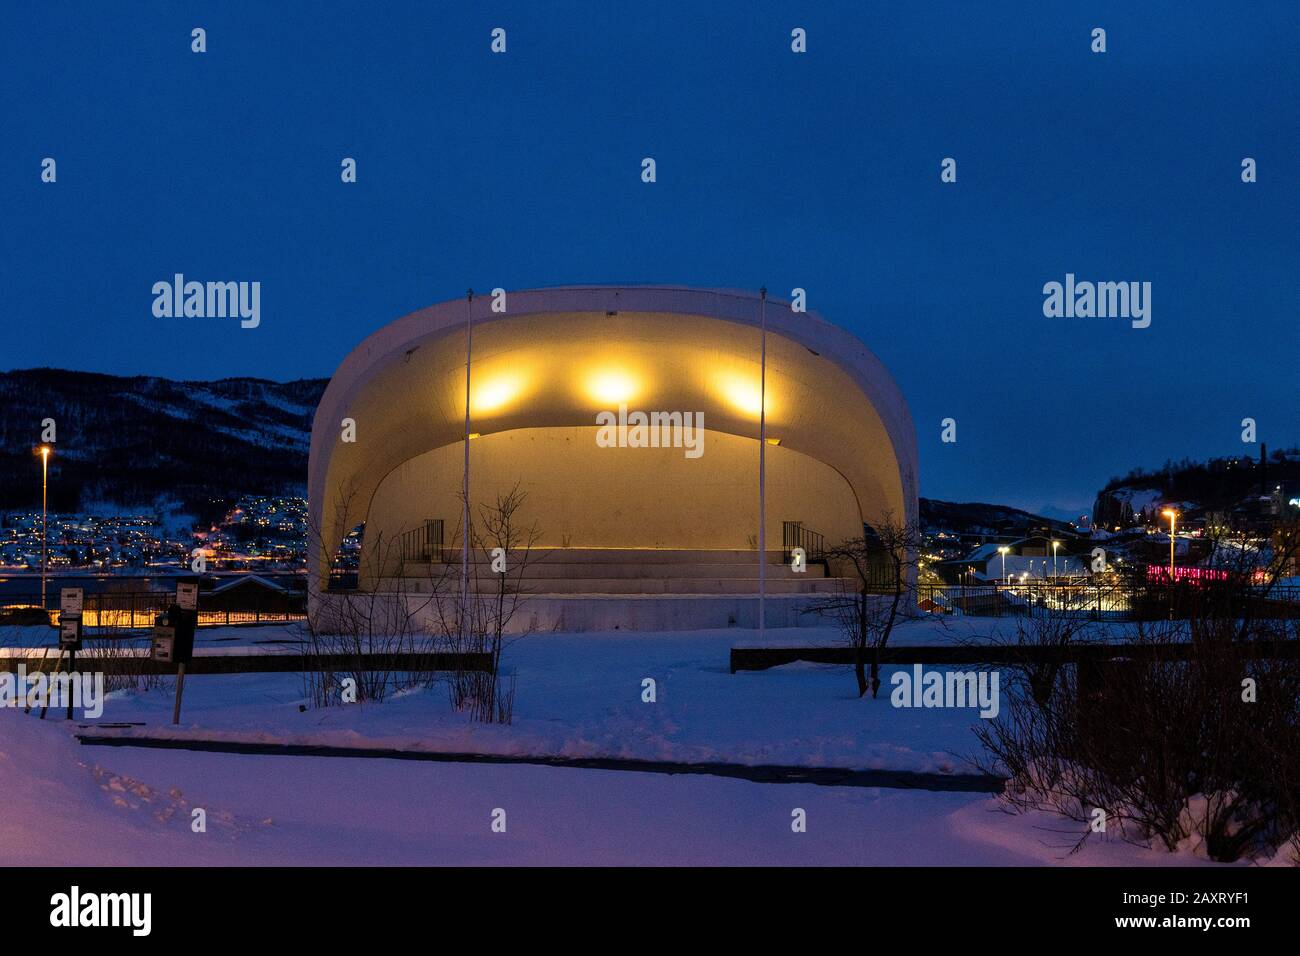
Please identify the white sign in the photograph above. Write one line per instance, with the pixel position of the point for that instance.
(187, 595)
(70, 632)
(70, 600)
(164, 639)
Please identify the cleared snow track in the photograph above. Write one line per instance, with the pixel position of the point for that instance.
(760, 773)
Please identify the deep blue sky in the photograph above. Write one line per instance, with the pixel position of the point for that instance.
(820, 170)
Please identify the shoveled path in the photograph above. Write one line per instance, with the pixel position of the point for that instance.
(758, 773)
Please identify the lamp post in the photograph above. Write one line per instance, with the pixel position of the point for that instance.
(1172, 516)
(464, 487)
(1003, 551)
(45, 536)
(762, 464)
(1055, 545)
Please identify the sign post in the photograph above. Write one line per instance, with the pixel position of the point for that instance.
(70, 641)
(173, 636)
(180, 690)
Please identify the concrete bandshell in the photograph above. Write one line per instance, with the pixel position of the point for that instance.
(829, 397)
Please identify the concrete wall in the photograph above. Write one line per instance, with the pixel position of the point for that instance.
(338, 614)
(584, 496)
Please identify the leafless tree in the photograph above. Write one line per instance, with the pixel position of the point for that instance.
(355, 635)
(877, 572)
(503, 549)
(418, 604)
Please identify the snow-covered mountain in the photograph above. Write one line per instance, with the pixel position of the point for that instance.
(974, 517)
(134, 441)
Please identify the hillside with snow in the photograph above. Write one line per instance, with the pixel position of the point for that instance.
(1221, 485)
(135, 441)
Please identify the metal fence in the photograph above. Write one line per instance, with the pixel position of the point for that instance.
(424, 543)
(114, 611)
(794, 535)
(1113, 601)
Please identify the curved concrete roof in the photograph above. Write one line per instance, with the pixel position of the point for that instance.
(689, 349)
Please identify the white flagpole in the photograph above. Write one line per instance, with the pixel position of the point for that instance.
(464, 487)
(762, 466)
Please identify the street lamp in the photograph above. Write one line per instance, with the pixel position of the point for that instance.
(1003, 551)
(1055, 545)
(44, 451)
(1171, 515)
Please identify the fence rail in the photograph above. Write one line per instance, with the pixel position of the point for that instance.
(424, 543)
(794, 535)
(1110, 601)
(119, 663)
(342, 580)
(114, 611)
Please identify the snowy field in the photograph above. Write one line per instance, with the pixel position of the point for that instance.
(577, 695)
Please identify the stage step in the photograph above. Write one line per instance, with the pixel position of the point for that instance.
(683, 585)
(636, 556)
(550, 569)
(615, 571)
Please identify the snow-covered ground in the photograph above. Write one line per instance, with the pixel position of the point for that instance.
(580, 696)
(71, 805)
(577, 695)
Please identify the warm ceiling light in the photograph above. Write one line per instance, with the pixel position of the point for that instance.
(494, 393)
(742, 393)
(611, 386)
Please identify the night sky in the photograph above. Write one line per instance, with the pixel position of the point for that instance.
(818, 170)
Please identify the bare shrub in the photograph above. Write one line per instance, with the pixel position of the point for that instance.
(116, 644)
(877, 575)
(476, 617)
(126, 662)
(1172, 742)
(1041, 645)
(456, 610)
(356, 638)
